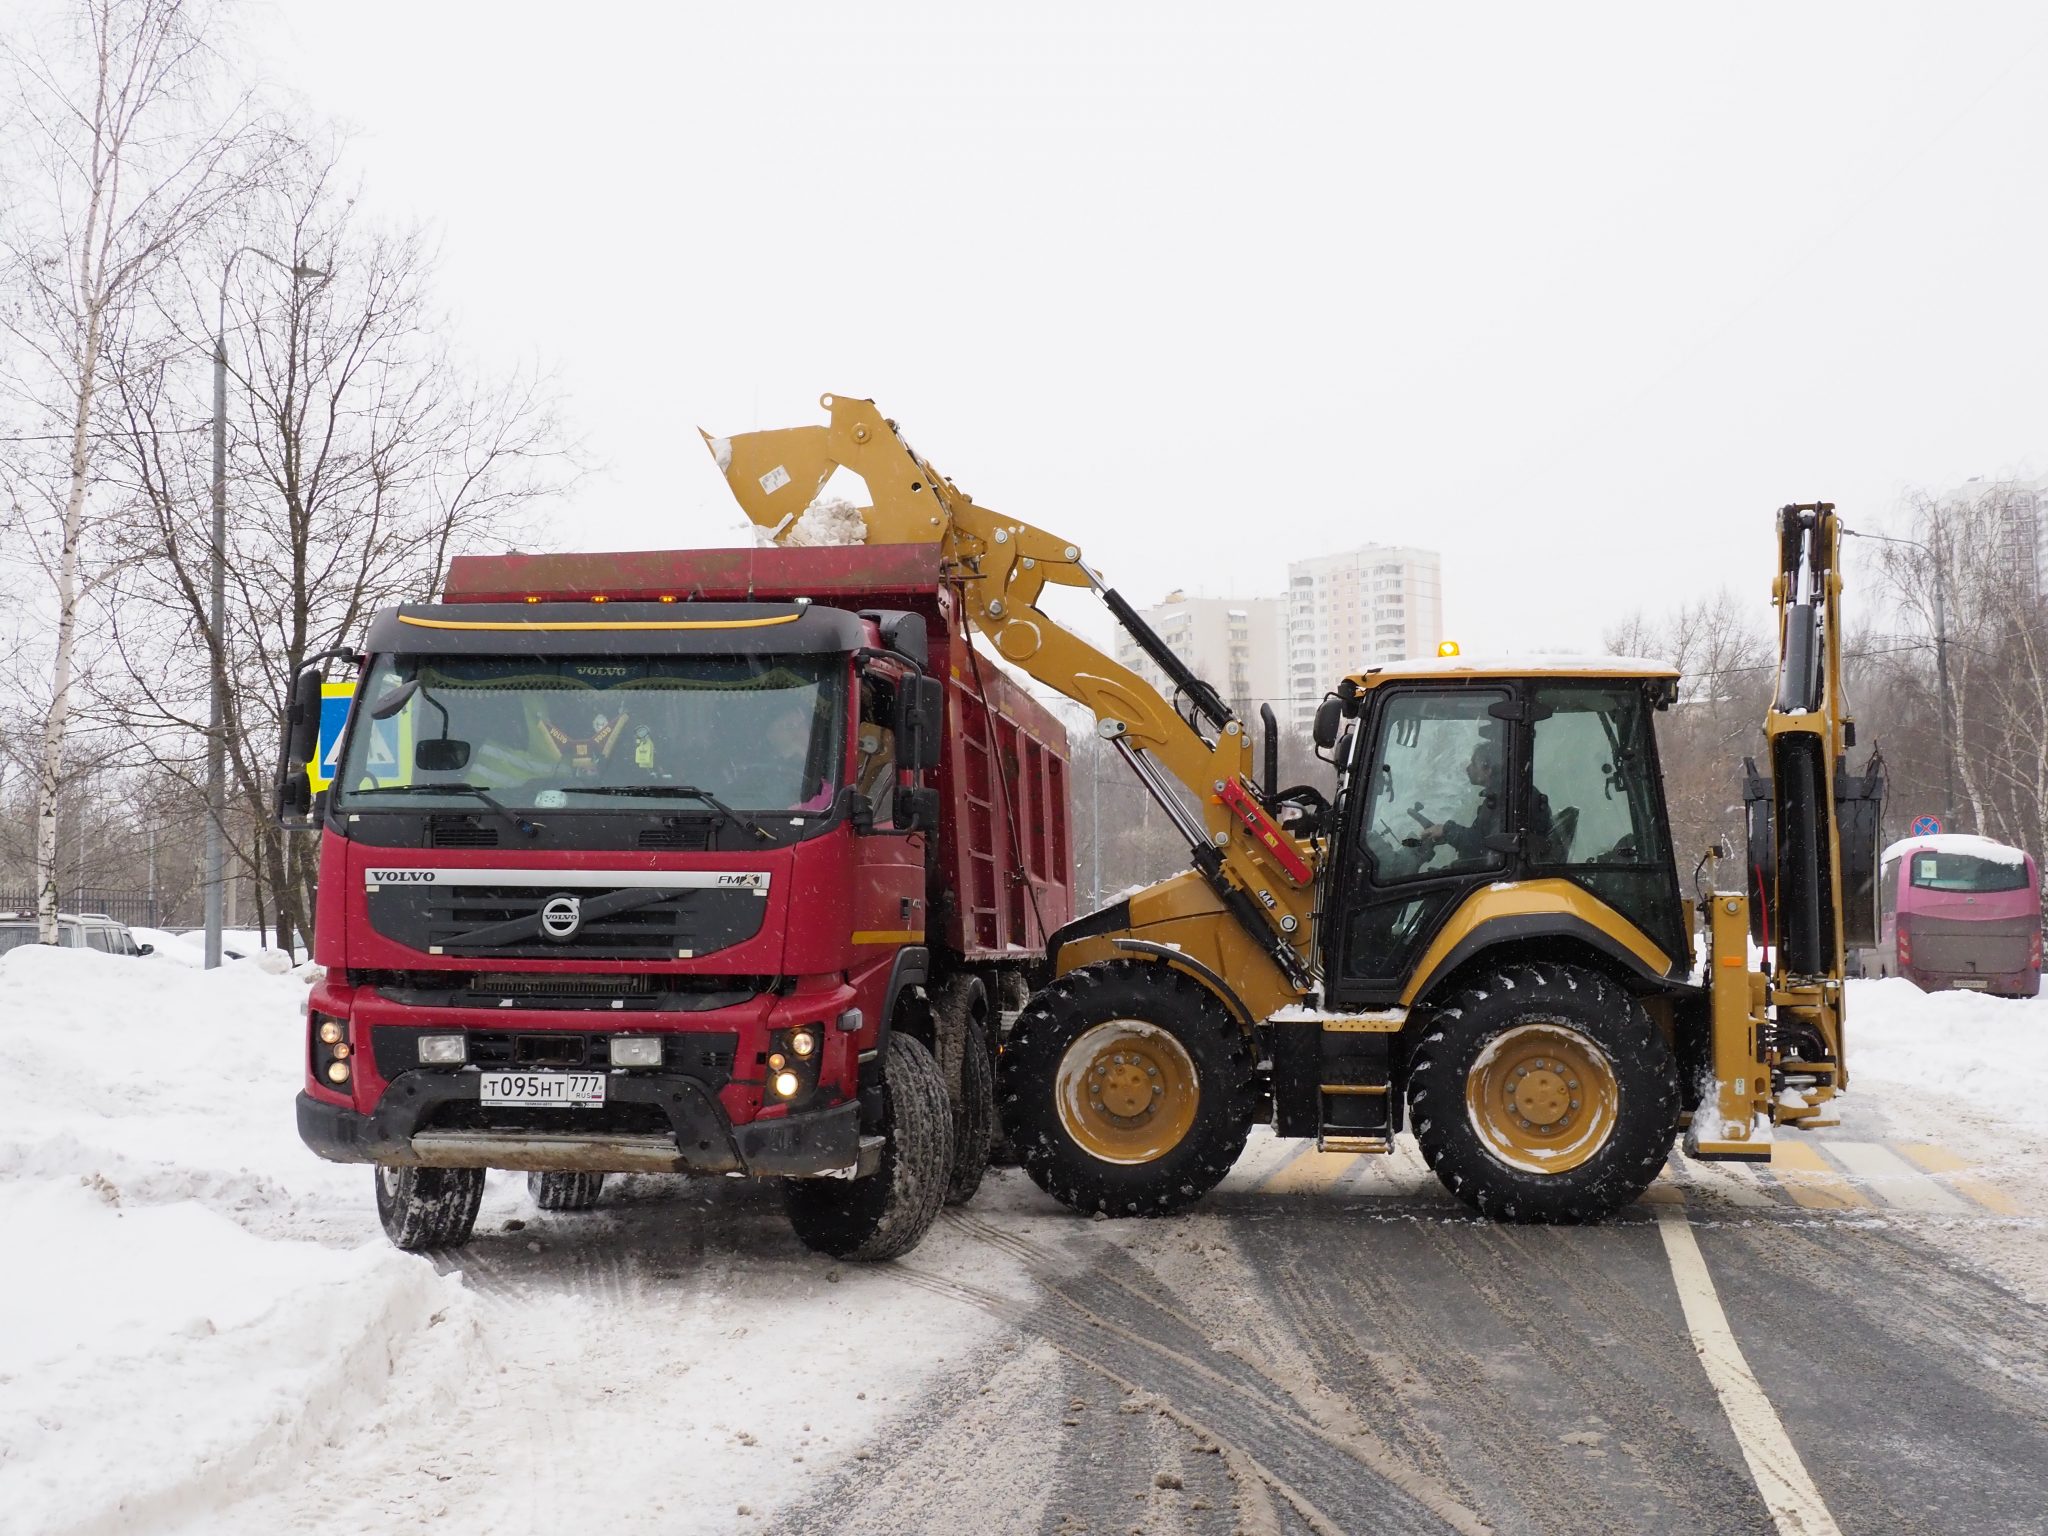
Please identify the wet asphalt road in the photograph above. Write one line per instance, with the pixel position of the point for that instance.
(1331, 1345)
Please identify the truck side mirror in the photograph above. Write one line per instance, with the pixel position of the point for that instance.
(1328, 716)
(300, 741)
(303, 717)
(917, 809)
(920, 722)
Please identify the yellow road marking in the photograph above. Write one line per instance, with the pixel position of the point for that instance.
(1311, 1173)
(1811, 1180)
(1942, 1161)
(1796, 1506)
(1896, 1180)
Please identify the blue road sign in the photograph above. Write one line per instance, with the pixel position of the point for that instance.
(1926, 826)
(335, 699)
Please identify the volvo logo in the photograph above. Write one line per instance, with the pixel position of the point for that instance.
(561, 917)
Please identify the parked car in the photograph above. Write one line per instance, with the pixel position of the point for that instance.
(75, 930)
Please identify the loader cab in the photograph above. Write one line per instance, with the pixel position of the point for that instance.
(1535, 790)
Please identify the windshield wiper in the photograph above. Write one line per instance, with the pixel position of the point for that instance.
(519, 823)
(677, 792)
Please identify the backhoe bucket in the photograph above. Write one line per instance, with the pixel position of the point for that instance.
(776, 475)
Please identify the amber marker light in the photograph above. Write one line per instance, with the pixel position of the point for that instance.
(531, 598)
(1447, 648)
(600, 598)
(668, 597)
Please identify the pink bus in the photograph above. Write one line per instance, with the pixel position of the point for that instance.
(1960, 911)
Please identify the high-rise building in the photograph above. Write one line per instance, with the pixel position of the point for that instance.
(1233, 643)
(2013, 512)
(1360, 608)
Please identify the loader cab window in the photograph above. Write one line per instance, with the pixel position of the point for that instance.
(1595, 812)
(1437, 786)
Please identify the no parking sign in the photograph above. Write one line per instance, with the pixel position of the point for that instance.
(1926, 826)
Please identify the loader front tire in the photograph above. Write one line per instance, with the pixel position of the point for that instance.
(1126, 1089)
(886, 1214)
(1542, 1092)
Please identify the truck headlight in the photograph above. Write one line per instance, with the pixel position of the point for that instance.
(803, 1042)
(787, 1083)
(443, 1050)
(636, 1050)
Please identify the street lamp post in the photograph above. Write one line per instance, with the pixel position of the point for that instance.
(1948, 712)
(216, 720)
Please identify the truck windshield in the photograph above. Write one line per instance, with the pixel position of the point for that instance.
(759, 733)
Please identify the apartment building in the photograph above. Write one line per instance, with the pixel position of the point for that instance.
(1233, 643)
(1359, 608)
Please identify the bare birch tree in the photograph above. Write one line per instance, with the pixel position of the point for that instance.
(122, 153)
(362, 455)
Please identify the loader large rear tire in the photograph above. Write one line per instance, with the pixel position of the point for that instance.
(1126, 1089)
(1542, 1092)
(887, 1213)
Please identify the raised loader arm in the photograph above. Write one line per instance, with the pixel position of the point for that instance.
(1777, 1034)
(1264, 876)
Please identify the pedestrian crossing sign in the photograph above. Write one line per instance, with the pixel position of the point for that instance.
(335, 699)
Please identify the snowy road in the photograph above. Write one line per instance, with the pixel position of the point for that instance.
(208, 1335)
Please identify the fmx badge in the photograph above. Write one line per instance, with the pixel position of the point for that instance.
(1926, 826)
(335, 699)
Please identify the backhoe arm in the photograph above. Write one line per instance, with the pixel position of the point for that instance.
(1778, 1041)
(1001, 568)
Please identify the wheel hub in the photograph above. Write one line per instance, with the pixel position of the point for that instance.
(1127, 1091)
(1543, 1096)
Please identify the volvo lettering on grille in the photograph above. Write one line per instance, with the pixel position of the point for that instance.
(561, 916)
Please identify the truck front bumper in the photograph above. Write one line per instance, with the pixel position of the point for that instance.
(699, 1137)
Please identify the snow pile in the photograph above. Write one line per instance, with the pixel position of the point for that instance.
(828, 520)
(1990, 1051)
(194, 1301)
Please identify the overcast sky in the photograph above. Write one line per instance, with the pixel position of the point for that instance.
(1576, 295)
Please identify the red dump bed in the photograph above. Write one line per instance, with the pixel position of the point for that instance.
(1005, 850)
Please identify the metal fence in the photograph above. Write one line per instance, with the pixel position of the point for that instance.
(126, 906)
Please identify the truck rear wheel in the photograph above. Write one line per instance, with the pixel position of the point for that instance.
(974, 1115)
(1543, 1092)
(1127, 1089)
(565, 1191)
(887, 1213)
(427, 1208)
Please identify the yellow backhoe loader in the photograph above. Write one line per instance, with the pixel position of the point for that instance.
(1485, 928)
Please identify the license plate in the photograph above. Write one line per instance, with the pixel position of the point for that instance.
(1975, 983)
(564, 1090)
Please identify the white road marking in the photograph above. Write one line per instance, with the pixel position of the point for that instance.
(1900, 1183)
(1788, 1492)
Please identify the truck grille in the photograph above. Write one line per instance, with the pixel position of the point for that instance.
(485, 920)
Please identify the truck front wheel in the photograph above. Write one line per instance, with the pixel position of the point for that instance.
(1126, 1089)
(1543, 1092)
(565, 1191)
(427, 1208)
(886, 1214)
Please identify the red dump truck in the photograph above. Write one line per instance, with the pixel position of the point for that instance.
(706, 861)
